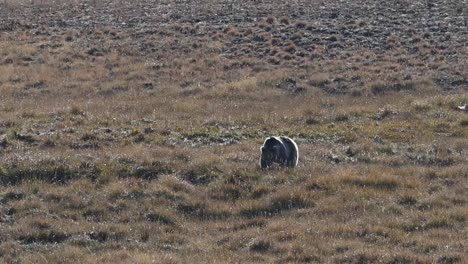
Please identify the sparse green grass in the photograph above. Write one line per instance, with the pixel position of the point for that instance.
(108, 153)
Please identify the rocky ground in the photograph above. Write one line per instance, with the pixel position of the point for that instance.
(417, 38)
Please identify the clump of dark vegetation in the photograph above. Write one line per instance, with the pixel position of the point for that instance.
(54, 174)
(201, 176)
(408, 200)
(160, 217)
(44, 237)
(276, 204)
(260, 246)
(147, 172)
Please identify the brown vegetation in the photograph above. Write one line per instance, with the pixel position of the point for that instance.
(139, 143)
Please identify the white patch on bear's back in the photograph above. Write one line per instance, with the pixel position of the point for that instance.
(288, 142)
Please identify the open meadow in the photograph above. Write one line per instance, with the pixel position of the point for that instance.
(130, 131)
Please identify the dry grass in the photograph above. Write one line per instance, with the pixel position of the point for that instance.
(110, 152)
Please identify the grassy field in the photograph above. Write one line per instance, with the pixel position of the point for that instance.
(131, 133)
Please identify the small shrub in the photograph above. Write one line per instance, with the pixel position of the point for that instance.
(103, 174)
(74, 110)
(282, 201)
(192, 208)
(227, 192)
(3, 142)
(53, 174)
(287, 201)
(382, 182)
(270, 20)
(311, 121)
(386, 149)
(318, 80)
(341, 118)
(100, 236)
(40, 224)
(12, 196)
(44, 237)
(199, 210)
(49, 143)
(160, 217)
(381, 88)
(201, 175)
(231, 31)
(88, 137)
(356, 92)
(257, 210)
(450, 259)
(408, 200)
(434, 223)
(360, 257)
(291, 48)
(438, 222)
(259, 191)
(284, 20)
(22, 137)
(260, 37)
(149, 172)
(260, 246)
(300, 25)
(464, 123)
(175, 184)
(94, 214)
(421, 106)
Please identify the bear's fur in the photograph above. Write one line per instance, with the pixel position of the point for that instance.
(281, 150)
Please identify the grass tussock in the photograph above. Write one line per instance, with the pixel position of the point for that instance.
(277, 203)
